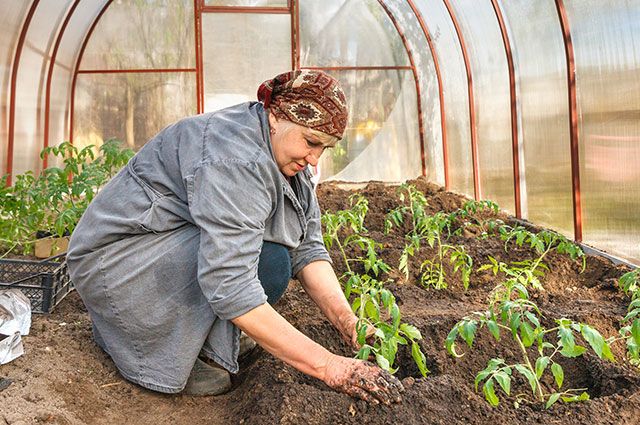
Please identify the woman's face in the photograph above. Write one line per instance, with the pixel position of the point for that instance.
(294, 146)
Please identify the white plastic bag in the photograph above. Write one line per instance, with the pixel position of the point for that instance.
(15, 312)
(10, 347)
(15, 320)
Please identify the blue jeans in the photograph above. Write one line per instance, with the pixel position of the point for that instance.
(274, 270)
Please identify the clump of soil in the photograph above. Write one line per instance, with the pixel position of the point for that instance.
(65, 378)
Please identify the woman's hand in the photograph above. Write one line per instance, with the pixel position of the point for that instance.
(349, 332)
(362, 379)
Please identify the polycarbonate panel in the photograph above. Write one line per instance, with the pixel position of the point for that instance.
(454, 80)
(605, 39)
(83, 17)
(381, 141)
(59, 107)
(131, 107)
(13, 13)
(541, 72)
(240, 51)
(348, 33)
(492, 103)
(254, 3)
(150, 34)
(429, 90)
(31, 85)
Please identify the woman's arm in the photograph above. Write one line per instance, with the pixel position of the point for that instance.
(320, 282)
(354, 377)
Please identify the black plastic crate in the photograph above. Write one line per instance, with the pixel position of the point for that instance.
(44, 282)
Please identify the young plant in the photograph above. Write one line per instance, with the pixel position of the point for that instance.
(413, 204)
(521, 319)
(630, 331)
(468, 216)
(432, 270)
(53, 201)
(374, 305)
(542, 243)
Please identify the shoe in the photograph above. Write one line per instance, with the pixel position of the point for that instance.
(246, 345)
(207, 379)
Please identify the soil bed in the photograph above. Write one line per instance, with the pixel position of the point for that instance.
(65, 378)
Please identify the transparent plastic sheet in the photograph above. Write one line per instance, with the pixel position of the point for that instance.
(15, 321)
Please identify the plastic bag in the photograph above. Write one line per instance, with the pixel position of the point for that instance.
(10, 347)
(15, 312)
(15, 320)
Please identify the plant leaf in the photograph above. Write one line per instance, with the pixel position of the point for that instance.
(541, 365)
(411, 331)
(383, 362)
(552, 399)
(489, 393)
(558, 374)
(597, 342)
(494, 329)
(504, 380)
(419, 358)
(524, 371)
(468, 331)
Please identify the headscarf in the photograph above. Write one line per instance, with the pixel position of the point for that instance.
(310, 98)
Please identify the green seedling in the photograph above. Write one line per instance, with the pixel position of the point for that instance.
(519, 276)
(432, 270)
(542, 242)
(53, 201)
(374, 305)
(467, 215)
(630, 331)
(520, 318)
(413, 204)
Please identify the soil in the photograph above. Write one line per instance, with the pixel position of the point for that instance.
(64, 378)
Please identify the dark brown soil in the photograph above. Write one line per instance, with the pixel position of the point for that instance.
(64, 378)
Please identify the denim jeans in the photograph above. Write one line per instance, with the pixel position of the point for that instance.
(274, 270)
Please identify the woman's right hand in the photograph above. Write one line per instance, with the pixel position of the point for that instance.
(362, 379)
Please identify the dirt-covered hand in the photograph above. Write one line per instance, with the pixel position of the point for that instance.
(363, 379)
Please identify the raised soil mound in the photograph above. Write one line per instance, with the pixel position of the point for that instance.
(64, 378)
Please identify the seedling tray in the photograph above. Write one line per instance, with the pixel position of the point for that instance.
(45, 282)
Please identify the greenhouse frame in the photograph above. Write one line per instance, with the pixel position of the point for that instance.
(533, 104)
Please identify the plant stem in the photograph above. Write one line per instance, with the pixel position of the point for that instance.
(525, 356)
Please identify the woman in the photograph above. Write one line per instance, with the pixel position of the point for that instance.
(194, 239)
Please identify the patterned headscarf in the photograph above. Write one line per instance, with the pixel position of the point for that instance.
(310, 98)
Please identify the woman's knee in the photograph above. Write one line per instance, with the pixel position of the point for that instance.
(274, 270)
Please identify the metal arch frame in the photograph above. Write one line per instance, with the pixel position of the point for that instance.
(416, 81)
(197, 29)
(515, 143)
(14, 77)
(296, 7)
(436, 62)
(52, 64)
(573, 116)
(472, 113)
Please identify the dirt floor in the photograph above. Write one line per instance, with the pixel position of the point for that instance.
(64, 378)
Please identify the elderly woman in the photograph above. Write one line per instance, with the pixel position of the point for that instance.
(199, 234)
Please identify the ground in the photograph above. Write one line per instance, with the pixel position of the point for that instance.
(64, 378)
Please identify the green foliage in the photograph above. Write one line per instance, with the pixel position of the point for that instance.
(467, 218)
(630, 331)
(375, 306)
(53, 201)
(542, 242)
(430, 229)
(520, 318)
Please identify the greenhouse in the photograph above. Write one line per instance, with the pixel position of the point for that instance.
(479, 210)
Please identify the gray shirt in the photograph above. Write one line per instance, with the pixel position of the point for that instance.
(167, 253)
